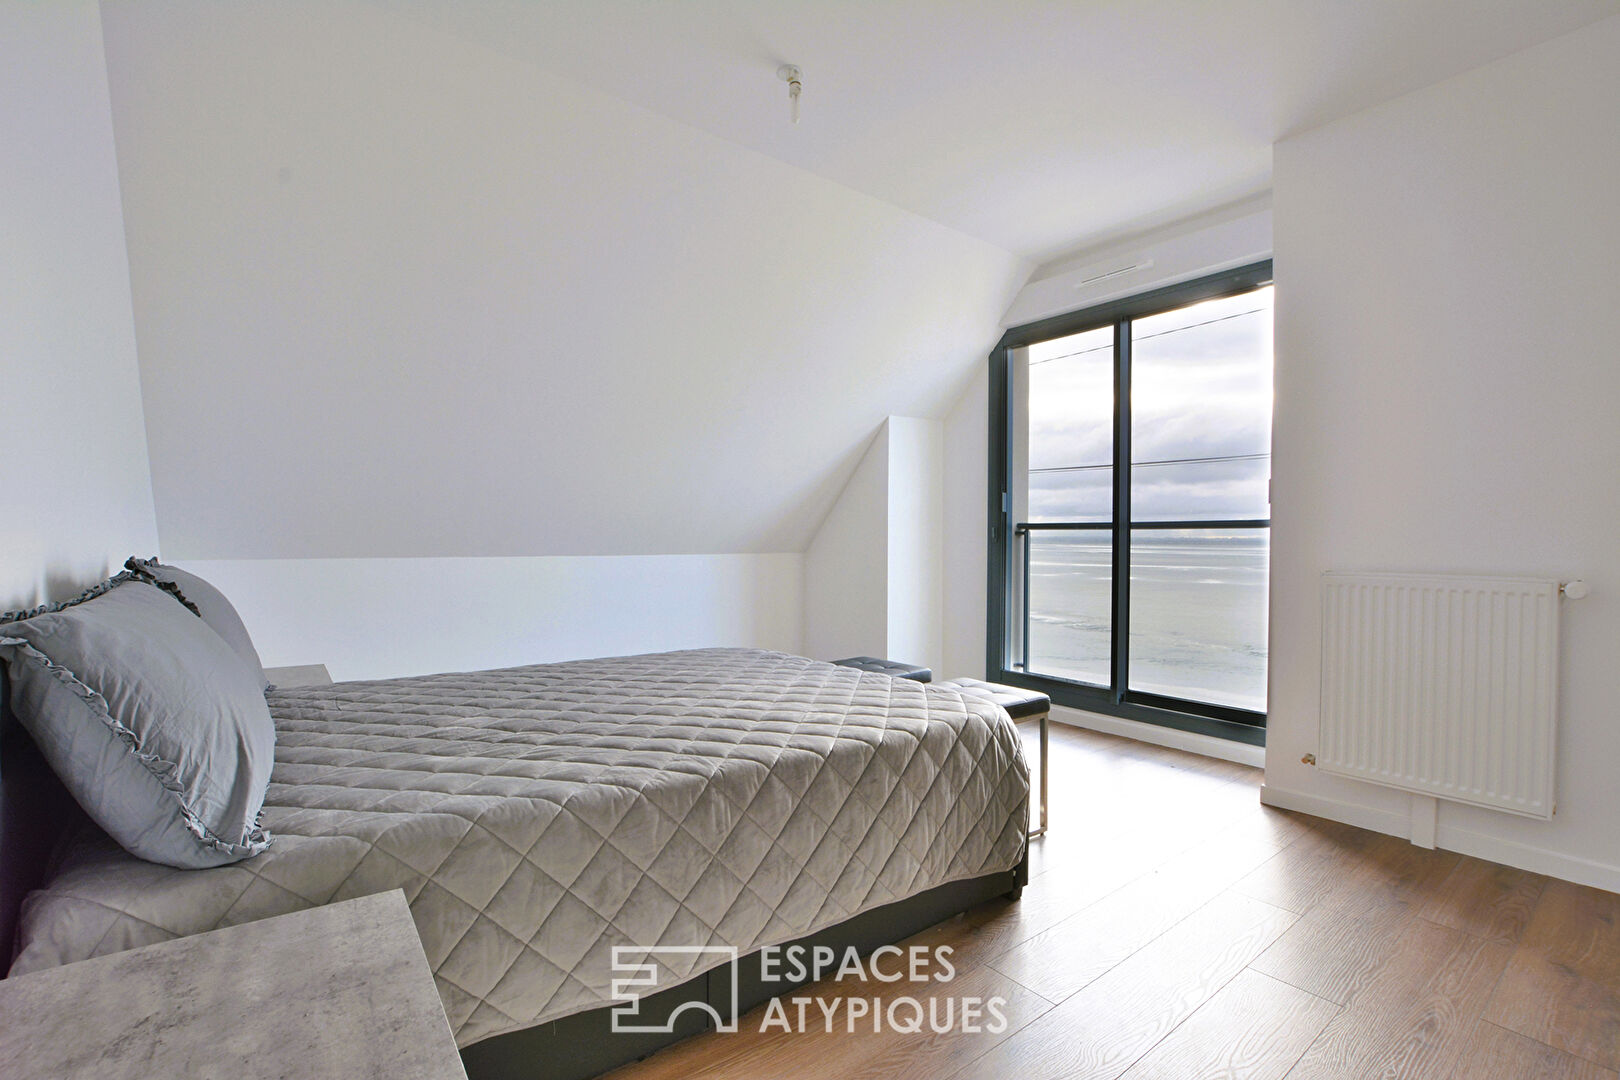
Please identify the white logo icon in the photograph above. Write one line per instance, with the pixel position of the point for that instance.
(642, 977)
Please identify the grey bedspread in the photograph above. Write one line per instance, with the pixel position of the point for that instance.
(536, 817)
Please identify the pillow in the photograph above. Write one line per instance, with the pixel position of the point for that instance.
(148, 717)
(208, 602)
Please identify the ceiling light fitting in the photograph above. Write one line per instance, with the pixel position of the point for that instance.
(790, 74)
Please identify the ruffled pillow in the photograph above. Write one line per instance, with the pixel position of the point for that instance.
(150, 719)
(207, 601)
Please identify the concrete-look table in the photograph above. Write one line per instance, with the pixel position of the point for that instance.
(336, 991)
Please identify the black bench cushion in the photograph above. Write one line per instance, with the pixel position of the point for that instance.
(1018, 702)
(895, 668)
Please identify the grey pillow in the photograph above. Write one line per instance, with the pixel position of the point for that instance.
(208, 602)
(151, 721)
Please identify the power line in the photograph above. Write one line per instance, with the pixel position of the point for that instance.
(1145, 337)
(1147, 464)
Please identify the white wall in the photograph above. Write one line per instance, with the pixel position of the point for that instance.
(873, 573)
(1222, 239)
(916, 548)
(377, 618)
(846, 565)
(76, 494)
(402, 295)
(1448, 374)
(965, 548)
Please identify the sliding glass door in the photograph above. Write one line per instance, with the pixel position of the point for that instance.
(1130, 505)
(1070, 477)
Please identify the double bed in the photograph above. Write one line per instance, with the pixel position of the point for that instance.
(539, 818)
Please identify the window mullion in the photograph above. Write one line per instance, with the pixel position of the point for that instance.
(1120, 623)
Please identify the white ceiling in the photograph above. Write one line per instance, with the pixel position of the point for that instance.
(398, 295)
(1041, 127)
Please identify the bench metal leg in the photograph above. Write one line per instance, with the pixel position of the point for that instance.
(1045, 720)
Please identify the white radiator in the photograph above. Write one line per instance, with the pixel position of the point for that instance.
(1446, 686)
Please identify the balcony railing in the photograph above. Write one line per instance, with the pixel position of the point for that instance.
(1119, 606)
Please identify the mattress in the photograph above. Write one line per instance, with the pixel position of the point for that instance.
(537, 817)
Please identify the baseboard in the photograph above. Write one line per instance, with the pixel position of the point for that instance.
(1190, 741)
(1512, 853)
(1362, 817)
(1495, 849)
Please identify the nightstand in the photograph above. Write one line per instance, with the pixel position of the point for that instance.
(285, 678)
(337, 991)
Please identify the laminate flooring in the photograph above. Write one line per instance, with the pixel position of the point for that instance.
(1175, 929)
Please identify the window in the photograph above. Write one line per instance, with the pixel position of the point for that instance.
(1130, 507)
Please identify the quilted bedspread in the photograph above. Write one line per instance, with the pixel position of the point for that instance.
(536, 817)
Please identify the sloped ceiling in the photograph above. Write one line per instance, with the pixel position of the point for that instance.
(1040, 126)
(397, 294)
(515, 278)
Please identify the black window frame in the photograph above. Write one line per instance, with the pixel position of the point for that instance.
(1238, 725)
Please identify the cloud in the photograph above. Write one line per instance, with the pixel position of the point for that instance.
(1201, 388)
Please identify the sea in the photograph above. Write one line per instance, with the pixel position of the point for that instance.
(1198, 612)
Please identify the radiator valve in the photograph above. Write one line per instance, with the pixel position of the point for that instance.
(1308, 759)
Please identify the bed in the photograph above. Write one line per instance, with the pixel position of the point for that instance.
(538, 817)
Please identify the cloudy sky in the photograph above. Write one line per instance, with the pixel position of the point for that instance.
(1201, 390)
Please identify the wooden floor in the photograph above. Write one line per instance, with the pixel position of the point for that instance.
(1175, 929)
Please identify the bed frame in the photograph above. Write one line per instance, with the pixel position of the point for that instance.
(584, 1045)
(35, 810)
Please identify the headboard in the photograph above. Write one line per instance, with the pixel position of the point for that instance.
(35, 810)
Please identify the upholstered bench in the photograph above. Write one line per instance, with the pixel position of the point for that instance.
(896, 668)
(1021, 704)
